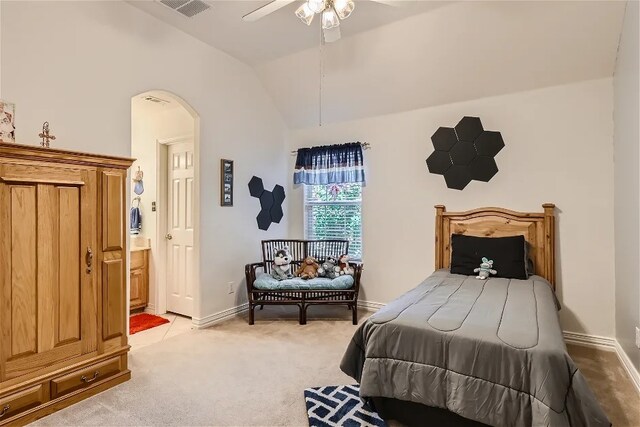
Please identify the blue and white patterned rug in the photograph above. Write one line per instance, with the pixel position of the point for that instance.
(337, 406)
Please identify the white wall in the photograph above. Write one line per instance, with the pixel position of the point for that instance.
(459, 51)
(627, 185)
(558, 149)
(148, 126)
(0, 51)
(77, 65)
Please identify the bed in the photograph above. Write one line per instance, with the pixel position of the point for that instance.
(460, 351)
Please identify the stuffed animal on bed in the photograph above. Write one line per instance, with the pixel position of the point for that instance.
(345, 268)
(485, 269)
(308, 269)
(329, 268)
(281, 264)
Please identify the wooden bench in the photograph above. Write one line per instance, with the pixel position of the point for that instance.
(300, 249)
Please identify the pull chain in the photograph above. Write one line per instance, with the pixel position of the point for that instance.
(321, 76)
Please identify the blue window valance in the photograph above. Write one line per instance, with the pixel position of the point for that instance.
(330, 164)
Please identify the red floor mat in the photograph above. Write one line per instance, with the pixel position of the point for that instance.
(144, 321)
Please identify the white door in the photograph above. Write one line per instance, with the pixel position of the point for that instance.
(180, 217)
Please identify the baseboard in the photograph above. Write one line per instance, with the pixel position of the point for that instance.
(628, 366)
(221, 316)
(608, 344)
(601, 343)
(150, 308)
(212, 319)
(370, 305)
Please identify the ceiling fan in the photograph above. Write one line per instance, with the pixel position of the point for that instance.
(333, 11)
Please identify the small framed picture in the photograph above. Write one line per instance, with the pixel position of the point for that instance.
(226, 182)
(7, 122)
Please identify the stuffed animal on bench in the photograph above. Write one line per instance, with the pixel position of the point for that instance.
(485, 270)
(329, 268)
(308, 269)
(344, 266)
(281, 264)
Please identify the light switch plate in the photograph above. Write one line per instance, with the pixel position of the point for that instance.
(231, 290)
(637, 337)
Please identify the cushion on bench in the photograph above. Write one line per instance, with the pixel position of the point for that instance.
(265, 282)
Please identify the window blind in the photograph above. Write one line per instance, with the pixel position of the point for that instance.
(334, 211)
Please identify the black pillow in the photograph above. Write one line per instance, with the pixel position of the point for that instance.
(507, 253)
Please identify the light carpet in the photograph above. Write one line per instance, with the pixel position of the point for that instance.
(236, 374)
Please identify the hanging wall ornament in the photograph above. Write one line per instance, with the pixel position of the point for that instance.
(270, 203)
(465, 153)
(138, 187)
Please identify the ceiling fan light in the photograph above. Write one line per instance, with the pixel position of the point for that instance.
(305, 14)
(330, 19)
(317, 6)
(344, 8)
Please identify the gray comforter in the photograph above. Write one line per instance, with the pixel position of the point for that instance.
(491, 351)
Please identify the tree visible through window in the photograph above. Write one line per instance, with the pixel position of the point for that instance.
(333, 211)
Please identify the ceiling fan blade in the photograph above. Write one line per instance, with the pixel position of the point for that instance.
(265, 10)
(332, 34)
(394, 3)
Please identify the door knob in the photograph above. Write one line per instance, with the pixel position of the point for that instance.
(168, 237)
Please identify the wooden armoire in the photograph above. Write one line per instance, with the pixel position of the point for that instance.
(63, 274)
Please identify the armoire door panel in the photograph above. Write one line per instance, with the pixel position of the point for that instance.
(47, 284)
(48, 229)
(23, 285)
(112, 210)
(70, 271)
(112, 299)
(59, 266)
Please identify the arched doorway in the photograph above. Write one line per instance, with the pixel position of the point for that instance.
(165, 133)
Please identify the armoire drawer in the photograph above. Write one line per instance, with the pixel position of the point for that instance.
(21, 401)
(85, 377)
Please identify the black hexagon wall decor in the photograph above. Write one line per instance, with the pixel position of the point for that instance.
(256, 187)
(444, 139)
(468, 129)
(270, 203)
(439, 162)
(465, 153)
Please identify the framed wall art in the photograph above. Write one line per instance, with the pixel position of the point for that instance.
(226, 182)
(7, 122)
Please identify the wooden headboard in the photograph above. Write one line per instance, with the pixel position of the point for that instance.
(537, 228)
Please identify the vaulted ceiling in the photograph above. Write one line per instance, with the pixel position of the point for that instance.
(421, 54)
(278, 34)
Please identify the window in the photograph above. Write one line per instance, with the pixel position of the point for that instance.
(334, 211)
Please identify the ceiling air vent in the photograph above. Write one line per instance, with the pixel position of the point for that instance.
(188, 8)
